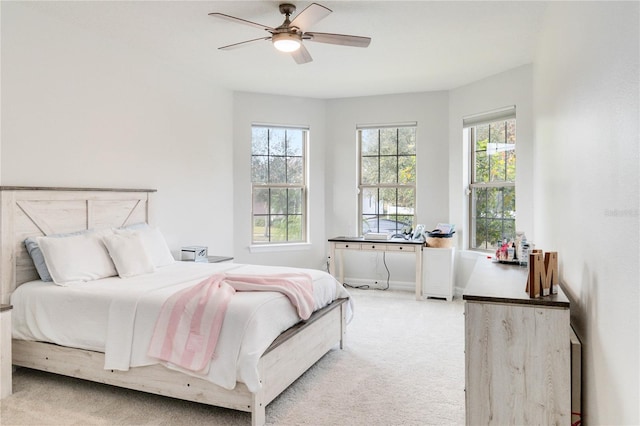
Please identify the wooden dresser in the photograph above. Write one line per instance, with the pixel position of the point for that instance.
(517, 350)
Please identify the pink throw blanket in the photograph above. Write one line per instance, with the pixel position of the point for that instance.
(189, 324)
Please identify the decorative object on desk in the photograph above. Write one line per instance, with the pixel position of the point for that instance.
(195, 253)
(441, 237)
(543, 278)
(418, 234)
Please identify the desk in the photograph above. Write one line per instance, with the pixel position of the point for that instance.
(338, 244)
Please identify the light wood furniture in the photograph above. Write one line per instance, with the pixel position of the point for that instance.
(26, 212)
(437, 272)
(338, 244)
(5, 351)
(517, 350)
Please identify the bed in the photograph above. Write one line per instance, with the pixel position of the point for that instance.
(30, 211)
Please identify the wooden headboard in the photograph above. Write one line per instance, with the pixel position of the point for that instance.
(36, 211)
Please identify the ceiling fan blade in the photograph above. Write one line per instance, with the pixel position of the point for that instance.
(302, 55)
(310, 15)
(341, 39)
(241, 21)
(242, 43)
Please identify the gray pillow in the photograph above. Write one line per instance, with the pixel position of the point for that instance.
(38, 258)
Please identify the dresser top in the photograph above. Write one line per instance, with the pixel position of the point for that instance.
(365, 240)
(500, 283)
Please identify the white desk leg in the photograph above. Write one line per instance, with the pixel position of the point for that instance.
(419, 273)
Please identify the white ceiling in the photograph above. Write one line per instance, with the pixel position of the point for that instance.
(416, 45)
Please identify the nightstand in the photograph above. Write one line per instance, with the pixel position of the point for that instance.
(5, 351)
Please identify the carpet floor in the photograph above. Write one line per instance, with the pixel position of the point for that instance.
(403, 364)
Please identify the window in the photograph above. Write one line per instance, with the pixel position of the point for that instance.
(387, 178)
(279, 184)
(492, 139)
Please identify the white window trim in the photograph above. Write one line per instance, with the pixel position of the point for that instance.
(284, 246)
(505, 113)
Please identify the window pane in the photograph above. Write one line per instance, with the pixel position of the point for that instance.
(482, 167)
(369, 141)
(370, 201)
(406, 202)
(260, 201)
(389, 200)
(511, 165)
(295, 141)
(509, 203)
(497, 132)
(259, 141)
(278, 229)
(294, 228)
(369, 170)
(497, 166)
(260, 230)
(389, 169)
(259, 169)
(407, 141)
(277, 170)
(388, 141)
(482, 137)
(407, 169)
(278, 201)
(494, 216)
(277, 142)
(294, 170)
(294, 201)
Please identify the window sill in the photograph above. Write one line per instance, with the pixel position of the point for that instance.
(269, 248)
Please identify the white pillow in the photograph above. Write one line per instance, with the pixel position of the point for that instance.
(128, 254)
(77, 258)
(154, 243)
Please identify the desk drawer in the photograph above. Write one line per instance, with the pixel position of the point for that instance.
(350, 246)
(374, 246)
(394, 247)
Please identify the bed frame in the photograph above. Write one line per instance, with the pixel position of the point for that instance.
(36, 211)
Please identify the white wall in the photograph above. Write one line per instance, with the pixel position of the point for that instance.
(279, 110)
(429, 110)
(87, 111)
(513, 87)
(587, 189)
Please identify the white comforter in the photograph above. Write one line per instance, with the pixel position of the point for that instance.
(117, 316)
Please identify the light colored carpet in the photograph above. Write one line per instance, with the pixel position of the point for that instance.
(403, 364)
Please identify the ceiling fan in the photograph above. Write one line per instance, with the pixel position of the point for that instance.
(288, 36)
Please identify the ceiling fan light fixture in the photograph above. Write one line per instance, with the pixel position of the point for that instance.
(287, 42)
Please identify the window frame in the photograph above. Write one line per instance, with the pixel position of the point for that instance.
(303, 186)
(398, 186)
(470, 125)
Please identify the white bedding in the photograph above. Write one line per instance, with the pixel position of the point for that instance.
(116, 316)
